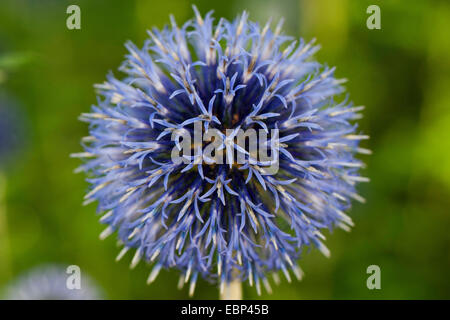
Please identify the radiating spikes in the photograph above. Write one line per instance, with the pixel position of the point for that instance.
(148, 215)
(157, 42)
(323, 249)
(181, 282)
(228, 220)
(357, 178)
(218, 28)
(298, 272)
(155, 254)
(88, 201)
(119, 243)
(134, 233)
(338, 196)
(198, 15)
(266, 28)
(172, 21)
(320, 235)
(88, 139)
(276, 278)
(349, 164)
(357, 197)
(82, 155)
(352, 109)
(258, 286)
(288, 259)
(126, 196)
(239, 258)
(191, 288)
(344, 226)
(93, 115)
(107, 232)
(336, 145)
(344, 217)
(122, 253)
(241, 24)
(363, 151)
(106, 216)
(79, 169)
(267, 286)
(188, 273)
(253, 217)
(115, 100)
(192, 285)
(219, 267)
(274, 241)
(154, 273)
(111, 168)
(97, 188)
(286, 274)
(179, 242)
(279, 27)
(356, 137)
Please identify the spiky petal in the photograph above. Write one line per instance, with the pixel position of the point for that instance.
(219, 221)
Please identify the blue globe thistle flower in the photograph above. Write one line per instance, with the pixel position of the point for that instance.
(11, 130)
(217, 221)
(48, 282)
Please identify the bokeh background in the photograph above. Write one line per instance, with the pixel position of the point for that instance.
(401, 73)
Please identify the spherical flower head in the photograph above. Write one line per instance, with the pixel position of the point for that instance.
(222, 221)
(49, 282)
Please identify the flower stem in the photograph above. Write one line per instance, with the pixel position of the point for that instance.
(232, 290)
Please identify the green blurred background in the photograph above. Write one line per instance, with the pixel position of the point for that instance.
(401, 73)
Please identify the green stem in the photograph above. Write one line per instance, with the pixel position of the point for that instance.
(232, 291)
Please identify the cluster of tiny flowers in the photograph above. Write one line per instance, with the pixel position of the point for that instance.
(49, 282)
(221, 222)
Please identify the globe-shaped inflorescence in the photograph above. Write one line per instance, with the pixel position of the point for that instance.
(222, 221)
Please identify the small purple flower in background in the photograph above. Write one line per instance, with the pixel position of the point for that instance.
(49, 282)
(11, 130)
(220, 222)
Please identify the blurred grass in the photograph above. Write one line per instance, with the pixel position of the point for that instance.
(401, 73)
